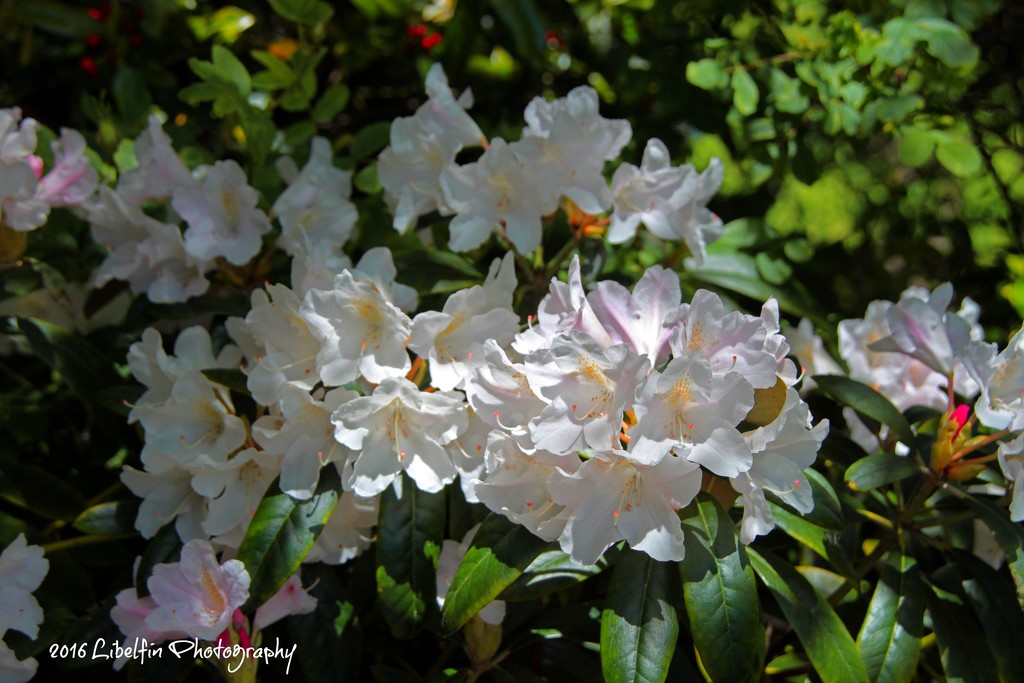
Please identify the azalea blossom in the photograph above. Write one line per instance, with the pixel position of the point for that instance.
(20, 207)
(160, 171)
(72, 179)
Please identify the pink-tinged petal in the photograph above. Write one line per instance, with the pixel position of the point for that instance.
(291, 599)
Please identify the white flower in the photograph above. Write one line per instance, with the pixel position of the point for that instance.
(160, 171)
(348, 532)
(498, 190)
(467, 451)
(516, 485)
(20, 169)
(448, 338)
(304, 435)
(731, 342)
(359, 330)
(314, 211)
(644, 195)
(922, 328)
(1011, 461)
(570, 136)
(197, 595)
(289, 348)
(688, 405)
(221, 214)
(587, 388)
(234, 488)
(129, 614)
(612, 498)
(398, 428)
(22, 570)
(13, 670)
(500, 393)
(1001, 404)
(644, 318)
(377, 265)
(782, 450)
(291, 599)
(421, 146)
(452, 553)
(809, 350)
(167, 495)
(72, 179)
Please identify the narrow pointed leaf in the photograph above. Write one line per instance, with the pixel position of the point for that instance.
(639, 625)
(501, 551)
(720, 594)
(828, 644)
(552, 571)
(867, 401)
(282, 533)
(890, 639)
(410, 533)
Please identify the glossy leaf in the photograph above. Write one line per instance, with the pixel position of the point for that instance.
(281, 534)
(552, 571)
(501, 551)
(965, 653)
(720, 595)
(639, 625)
(890, 638)
(744, 93)
(116, 517)
(829, 645)
(879, 469)
(869, 402)
(410, 533)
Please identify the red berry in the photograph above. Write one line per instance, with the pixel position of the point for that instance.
(431, 41)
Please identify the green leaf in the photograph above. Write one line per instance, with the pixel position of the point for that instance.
(281, 534)
(744, 93)
(525, 24)
(366, 180)
(819, 540)
(410, 533)
(117, 517)
(828, 644)
(278, 74)
(232, 378)
(786, 93)
(552, 571)
(890, 639)
(227, 22)
(131, 93)
(720, 595)
(963, 649)
(52, 16)
(959, 157)
(78, 362)
(259, 132)
(1009, 535)
(773, 270)
(33, 488)
(916, 146)
(370, 139)
(947, 42)
(331, 103)
(163, 548)
(501, 551)
(869, 402)
(879, 469)
(707, 74)
(330, 638)
(231, 70)
(639, 625)
(307, 12)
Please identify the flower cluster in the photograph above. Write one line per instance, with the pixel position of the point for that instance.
(919, 351)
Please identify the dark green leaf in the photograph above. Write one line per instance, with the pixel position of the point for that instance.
(331, 103)
(131, 93)
(370, 140)
(232, 378)
(33, 488)
(1010, 537)
(829, 645)
(501, 551)
(164, 547)
(116, 517)
(639, 625)
(890, 639)
(720, 593)
(552, 571)
(827, 511)
(281, 534)
(308, 12)
(879, 469)
(869, 402)
(410, 533)
(79, 364)
(814, 537)
(329, 638)
(965, 654)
